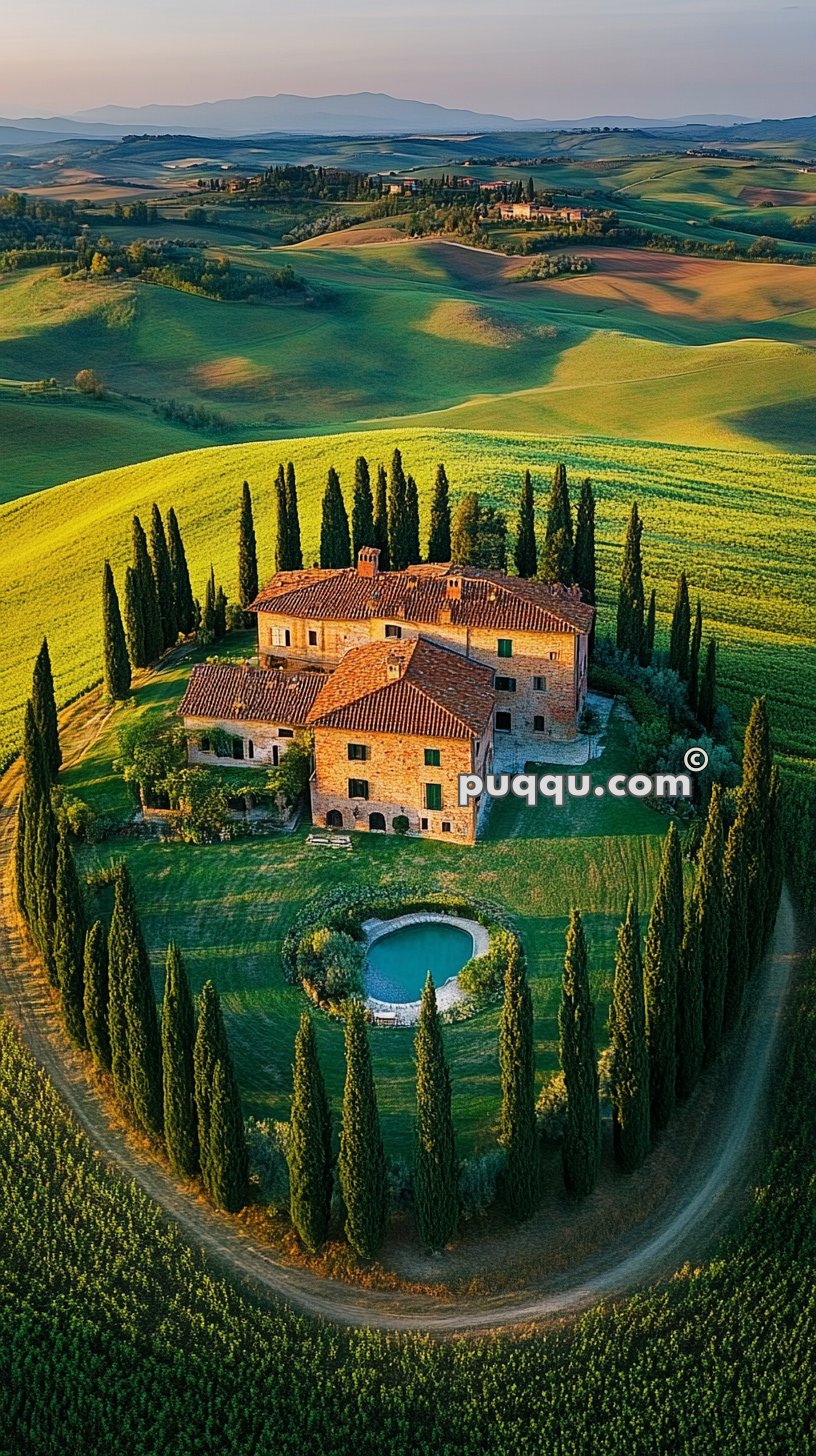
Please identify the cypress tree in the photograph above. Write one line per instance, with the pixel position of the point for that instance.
(115, 660)
(583, 561)
(20, 859)
(398, 532)
(293, 520)
(690, 1003)
(135, 637)
(694, 657)
(754, 801)
(220, 614)
(183, 602)
(660, 965)
(44, 707)
(282, 553)
(518, 1130)
(707, 694)
(207, 1051)
(362, 510)
(465, 538)
(36, 792)
(647, 647)
(679, 642)
(247, 553)
(735, 890)
(163, 577)
(95, 994)
(45, 871)
(526, 552)
(148, 593)
(713, 926)
(630, 1075)
(775, 858)
(177, 1039)
(335, 541)
(69, 942)
(227, 1160)
(209, 621)
(439, 537)
(576, 1032)
(310, 1150)
(134, 1025)
(412, 546)
(630, 594)
(381, 533)
(556, 564)
(361, 1165)
(436, 1191)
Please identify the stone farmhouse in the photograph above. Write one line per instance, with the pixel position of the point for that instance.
(404, 680)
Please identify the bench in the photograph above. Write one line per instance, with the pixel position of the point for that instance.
(330, 841)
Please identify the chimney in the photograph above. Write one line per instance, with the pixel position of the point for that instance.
(453, 588)
(368, 562)
(394, 664)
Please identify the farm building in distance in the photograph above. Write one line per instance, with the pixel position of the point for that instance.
(404, 679)
(535, 212)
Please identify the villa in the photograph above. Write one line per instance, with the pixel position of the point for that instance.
(404, 680)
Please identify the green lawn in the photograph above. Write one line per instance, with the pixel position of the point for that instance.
(229, 907)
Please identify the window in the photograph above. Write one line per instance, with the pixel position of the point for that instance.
(392, 630)
(286, 732)
(432, 757)
(433, 796)
(358, 750)
(539, 723)
(237, 747)
(504, 647)
(505, 684)
(539, 685)
(280, 636)
(312, 637)
(250, 748)
(554, 656)
(423, 824)
(205, 744)
(446, 826)
(358, 788)
(504, 723)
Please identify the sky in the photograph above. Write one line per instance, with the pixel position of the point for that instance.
(550, 58)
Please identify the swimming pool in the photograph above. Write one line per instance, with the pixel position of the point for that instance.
(399, 960)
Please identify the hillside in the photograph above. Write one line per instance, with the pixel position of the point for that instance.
(742, 525)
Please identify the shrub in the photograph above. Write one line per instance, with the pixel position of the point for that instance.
(551, 1109)
(331, 963)
(400, 825)
(267, 1148)
(483, 976)
(479, 1182)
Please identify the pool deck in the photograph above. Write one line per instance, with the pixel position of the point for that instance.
(406, 1013)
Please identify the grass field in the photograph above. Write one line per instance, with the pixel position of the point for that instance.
(647, 346)
(229, 907)
(743, 526)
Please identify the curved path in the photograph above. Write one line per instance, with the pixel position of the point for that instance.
(676, 1233)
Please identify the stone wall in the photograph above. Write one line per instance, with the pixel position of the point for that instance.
(396, 773)
(267, 744)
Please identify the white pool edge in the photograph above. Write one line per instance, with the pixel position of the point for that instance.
(450, 993)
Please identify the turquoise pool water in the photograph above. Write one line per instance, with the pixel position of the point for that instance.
(397, 963)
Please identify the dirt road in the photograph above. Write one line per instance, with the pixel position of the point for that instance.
(680, 1232)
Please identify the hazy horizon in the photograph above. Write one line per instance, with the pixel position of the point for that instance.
(538, 58)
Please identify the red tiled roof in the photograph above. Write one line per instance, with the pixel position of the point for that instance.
(488, 598)
(250, 695)
(411, 687)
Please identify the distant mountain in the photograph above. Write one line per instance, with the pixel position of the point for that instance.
(364, 113)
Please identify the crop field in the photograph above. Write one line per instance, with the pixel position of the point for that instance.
(742, 525)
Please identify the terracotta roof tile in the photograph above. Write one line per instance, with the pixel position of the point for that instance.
(250, 695)
(410, 687)
(488, 598)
